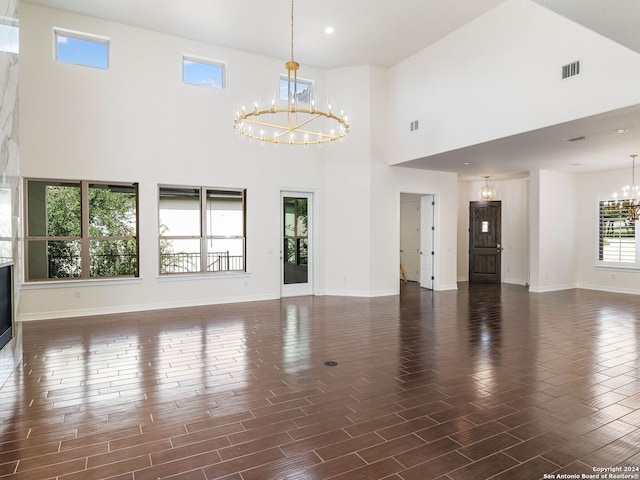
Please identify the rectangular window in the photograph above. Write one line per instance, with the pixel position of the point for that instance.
(617, 242)
(80, 229)
(303, 89)
(81, 49)
(6, 251)
(201, 230)
(9, 35)
(203, 72)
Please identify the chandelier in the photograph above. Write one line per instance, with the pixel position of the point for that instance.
(629, 204)
(293, 122)
(487, 192)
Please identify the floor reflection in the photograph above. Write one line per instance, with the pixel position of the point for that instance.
(295, 340)
(427, 384)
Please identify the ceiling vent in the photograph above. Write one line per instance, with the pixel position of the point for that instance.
(571, 70)
(575, 139)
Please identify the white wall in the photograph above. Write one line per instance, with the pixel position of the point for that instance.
(592, 188)
(444, 186)
(138, 122)
(554, 230)
(363, 196)
(500, 75)
(348, 188)
(514, 195)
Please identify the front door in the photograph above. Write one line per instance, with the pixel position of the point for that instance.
(296, 249)
(485, 247)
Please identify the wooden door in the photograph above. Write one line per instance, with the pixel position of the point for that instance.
(485, 249)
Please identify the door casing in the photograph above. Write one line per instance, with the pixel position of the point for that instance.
(299, 289)
(427, 250)
(431, 229)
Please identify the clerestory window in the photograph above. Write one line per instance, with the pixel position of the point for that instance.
(203, 72)
(81, 48)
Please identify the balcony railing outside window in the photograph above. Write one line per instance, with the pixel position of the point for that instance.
(190, 262)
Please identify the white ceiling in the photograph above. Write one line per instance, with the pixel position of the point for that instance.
(376, 32)
(384, 32)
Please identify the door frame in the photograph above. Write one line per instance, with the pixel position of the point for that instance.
(408, 235)
(311, 287)
(436, 235)
(427, 232)
(499, 243)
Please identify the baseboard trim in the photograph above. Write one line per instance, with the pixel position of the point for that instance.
(350, 293)
(600, 288)
(28, 317)
(552, 288)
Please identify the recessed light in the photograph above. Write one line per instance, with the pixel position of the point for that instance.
(467, 163)
(621, 130)
(328, 30)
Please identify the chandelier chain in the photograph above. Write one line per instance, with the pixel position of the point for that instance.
(292, 31)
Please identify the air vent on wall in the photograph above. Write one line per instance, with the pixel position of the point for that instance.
(571, 69)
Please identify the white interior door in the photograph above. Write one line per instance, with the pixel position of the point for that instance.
(427, 207)
(410, 236)
(296, 247)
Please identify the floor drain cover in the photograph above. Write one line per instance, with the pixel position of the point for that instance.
(331, 363)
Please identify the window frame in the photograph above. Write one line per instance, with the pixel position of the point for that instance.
(283, 81)
(84, 238)
(6, 227)
(206, 61)
(83, 36)
(203, 236)
(599, 241)
(11, 27)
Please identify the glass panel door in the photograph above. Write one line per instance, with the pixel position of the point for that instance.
(296, 265)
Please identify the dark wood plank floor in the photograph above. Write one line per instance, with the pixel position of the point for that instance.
(487, 382)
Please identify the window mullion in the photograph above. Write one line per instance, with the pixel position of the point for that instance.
(203, 230)
(84, 229)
